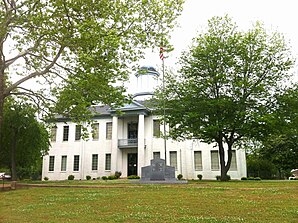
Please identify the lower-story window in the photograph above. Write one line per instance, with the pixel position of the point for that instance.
(198, 160)
(214, 160)
(108, 162)
(94, 161)
(63, 163)
(156, 155)
(233, 166)
(51, 163)
(173, 159)
(76, 163)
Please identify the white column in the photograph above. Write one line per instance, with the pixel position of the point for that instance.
(114, 153)
(141, 143)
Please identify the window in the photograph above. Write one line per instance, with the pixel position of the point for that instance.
(109, 130)
(63, 163)
(108, 161)
(94, 161)
(173, 159)
(233, 166)
(156, 128)
(214, 160)
(51, 163)
(76, 163)
(53, 133)
(156, 155)
(65, 132)
(78, 132)
(95, 131)
(198, 160)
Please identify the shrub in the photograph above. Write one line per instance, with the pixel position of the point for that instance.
(217, 177)
(46, 178)
(179, 176)
(88, 177)
(251, 178)
(200, 176)
(243, 178)
(98, 178)
(228, 177)
(104, 178)
(70, 177)
(257, 178)
(112, 177)
(118, 174)
(133, 177)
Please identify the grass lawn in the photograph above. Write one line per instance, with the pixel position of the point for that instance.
(122, 201)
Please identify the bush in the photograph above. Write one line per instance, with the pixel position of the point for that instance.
(118, 174)
(251, 178)
(46, 178)
(257, 178)
(180, 176)
(133, 177)
(112, 177)
(217, 177)
(104, 178)
(200, 176)
(71, 177)
(243, 178)
(98, 178)
(88, 177)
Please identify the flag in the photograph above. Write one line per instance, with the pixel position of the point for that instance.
(161, 50)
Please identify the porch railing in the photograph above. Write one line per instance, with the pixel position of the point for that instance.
(127, 143)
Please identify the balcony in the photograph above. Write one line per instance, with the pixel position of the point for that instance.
(127, 143)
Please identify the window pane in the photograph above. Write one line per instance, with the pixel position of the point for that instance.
(198, 160)
(78, 132)
(156, 128)
(95, 131)
(109, 130)
(214, 160)
(53, 133)
(65, 132)
(63, 163)
(94, 161)
(233, 161)
(51, 163)
(108, 162)
(156, 155)
(173, 159)
(76, 163)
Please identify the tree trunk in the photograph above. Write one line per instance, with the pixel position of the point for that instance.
(224, 167)
(13, 156)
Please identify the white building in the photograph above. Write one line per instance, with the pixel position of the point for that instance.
(128, 142)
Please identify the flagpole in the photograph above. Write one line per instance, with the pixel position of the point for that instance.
(164, 105)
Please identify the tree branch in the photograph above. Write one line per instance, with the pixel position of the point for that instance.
(34, 74)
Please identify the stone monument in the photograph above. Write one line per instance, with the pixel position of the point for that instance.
(159, 172)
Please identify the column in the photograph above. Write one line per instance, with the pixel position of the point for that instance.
(141, 143)
(114, 153)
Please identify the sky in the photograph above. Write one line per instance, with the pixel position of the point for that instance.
(278, 15)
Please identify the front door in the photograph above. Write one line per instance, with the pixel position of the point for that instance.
(132, 164)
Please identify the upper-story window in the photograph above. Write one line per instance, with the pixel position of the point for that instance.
(156, 128)
(109, 130)
(53, 133)
(78, 132)
(65, 132)
(95, 131)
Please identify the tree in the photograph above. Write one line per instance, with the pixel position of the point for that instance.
(78, 49)
(280, 145)
(25, 139)
(225, 85)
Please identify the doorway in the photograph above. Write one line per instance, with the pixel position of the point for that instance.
(132, 164)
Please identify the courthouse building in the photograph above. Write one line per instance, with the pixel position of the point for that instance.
(127, 142)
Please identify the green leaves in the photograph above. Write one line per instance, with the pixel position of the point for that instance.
(226, 82)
